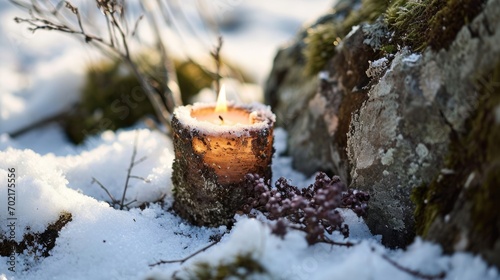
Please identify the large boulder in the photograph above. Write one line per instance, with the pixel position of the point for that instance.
(419, 130)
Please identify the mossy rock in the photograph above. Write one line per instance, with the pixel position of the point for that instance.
(434, 23)
(414, 24)
(460, 209)
(36, 244)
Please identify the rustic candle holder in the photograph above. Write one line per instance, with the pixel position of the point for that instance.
(213, 153)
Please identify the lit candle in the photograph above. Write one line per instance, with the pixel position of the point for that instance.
(216, 145)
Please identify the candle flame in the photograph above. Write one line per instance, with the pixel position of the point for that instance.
(221, 101)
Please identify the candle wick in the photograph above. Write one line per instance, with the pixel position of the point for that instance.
(221, 119)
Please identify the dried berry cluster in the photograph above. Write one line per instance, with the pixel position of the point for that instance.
(313, 210)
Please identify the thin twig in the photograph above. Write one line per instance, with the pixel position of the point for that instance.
(46, 18)
(136, 25)
(216, 56)
(113, 200)
(155, 100)
(126, 205)
(140, 160)
(412, 272)
(181, 261)
(336, 243)
(110, 32)
(74, 10)
(132, 160)
(122, 34)
(140, 178)
(172, 92)
(385, 257)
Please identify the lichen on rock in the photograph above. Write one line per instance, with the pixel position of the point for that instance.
(387, 152)
(389, 119)
(459, 209)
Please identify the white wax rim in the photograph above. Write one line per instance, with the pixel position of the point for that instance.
(231, 117)
(260, 113)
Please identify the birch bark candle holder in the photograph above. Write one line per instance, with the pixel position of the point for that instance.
(214, 150)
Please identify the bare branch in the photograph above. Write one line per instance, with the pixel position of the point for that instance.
(181, 261)
(414, 273)
(172, 94)
(128, 204)
(137, 25)
(140, 160)
(336, 243)
(45, 16)
(216, 56)
(113, 200)
(132, 160)
(140, 178)
(74, 10)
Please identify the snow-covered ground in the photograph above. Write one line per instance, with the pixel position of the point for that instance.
(40, 75)
(105, 243)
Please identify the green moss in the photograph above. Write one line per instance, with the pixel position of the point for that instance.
(475, 159)
(241, 267)
(322, 39)
(436, 198)
(434, 23)
(416, 24)
(111, 98)
(320, 45)
(192, 78)
(485, 134)
(370, 10)
(424, 213)
(392, 49)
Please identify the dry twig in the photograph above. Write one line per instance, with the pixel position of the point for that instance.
(67, 18)
(133, 162)
(216, 56)
(217, 239)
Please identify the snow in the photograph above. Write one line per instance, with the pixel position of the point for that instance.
(41, 73)
(377, 67)
(109, 155)
(412, 58)
(122, 244)
(40, 76)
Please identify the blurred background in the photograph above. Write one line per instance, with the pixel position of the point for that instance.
(55, 83)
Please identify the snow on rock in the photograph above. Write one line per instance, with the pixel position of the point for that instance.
(40, 191)
(377, 67)
(111, 244)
